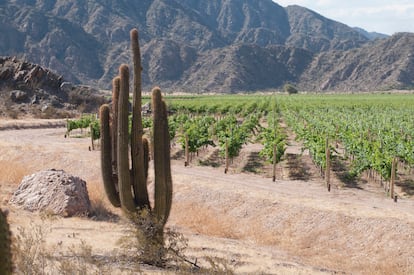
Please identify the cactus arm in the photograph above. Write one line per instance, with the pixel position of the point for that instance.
(6, 265)
(162, 167)
(106, 160)
(114, 123)
(145, 144)
(127, 200)
(137, 150)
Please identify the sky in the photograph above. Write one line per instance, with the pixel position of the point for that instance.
(383, 16)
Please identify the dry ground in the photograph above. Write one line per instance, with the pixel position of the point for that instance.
(291, 226)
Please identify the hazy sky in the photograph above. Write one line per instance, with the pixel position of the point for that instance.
(384, 16)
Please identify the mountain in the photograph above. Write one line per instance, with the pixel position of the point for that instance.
(190, 45)
(371, 35)
(384, 65)
(312, 31)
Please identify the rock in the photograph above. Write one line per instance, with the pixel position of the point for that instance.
(45, 108)
(53, 191)
(6, 73)
(18, 96)
(35, 100)
(66, 87)
(19, 76)
(146, 108)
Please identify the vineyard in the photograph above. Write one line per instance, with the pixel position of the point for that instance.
(370, 136)
(250, 177)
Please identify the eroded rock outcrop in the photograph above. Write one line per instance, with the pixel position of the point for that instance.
(53, 191)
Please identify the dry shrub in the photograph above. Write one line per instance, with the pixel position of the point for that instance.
(144, 239)
(31, 255)
(29, 250)
(141, 245)
(205, 221)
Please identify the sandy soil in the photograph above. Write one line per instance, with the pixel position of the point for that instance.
(291, 226)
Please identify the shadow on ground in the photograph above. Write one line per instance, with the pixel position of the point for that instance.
(407, 186)
(254, 163)
(341, 170)
(298, 170)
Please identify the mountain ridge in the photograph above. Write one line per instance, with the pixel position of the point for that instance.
(218, 45)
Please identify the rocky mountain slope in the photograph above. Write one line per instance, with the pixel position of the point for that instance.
(27, 88)
(217, 45)
(384, 65)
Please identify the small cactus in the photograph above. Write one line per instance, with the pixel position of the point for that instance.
(6, 266)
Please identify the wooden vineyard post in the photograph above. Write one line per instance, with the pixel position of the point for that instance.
(328, 165)
(227, 157)
(67, 128)
(91, 129)
(274, 161)
(392, 180)
(187, 157)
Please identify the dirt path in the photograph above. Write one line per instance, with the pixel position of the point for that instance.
(286, 227)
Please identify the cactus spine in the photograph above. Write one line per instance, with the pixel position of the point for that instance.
(125, 187)
(6, 266)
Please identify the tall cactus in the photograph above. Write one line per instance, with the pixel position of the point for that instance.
(125, 187)
(6, 266)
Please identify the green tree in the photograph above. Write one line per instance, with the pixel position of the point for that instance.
(290, 89)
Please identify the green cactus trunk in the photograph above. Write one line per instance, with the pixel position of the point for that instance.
(124, 175)
(109, 179)
(6, 265)
(137, 149)
(114, 123)
(162, 171)
(145, 144)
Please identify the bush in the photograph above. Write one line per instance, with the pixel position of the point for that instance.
(290, 89)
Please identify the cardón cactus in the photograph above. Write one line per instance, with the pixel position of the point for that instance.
(127, 187)
(6, 266)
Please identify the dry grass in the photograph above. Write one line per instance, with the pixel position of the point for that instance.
(320, 239)
(30, 123)
(205, 221)
(101, 209)
(13, 172)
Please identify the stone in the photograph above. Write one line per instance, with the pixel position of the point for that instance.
(54, 192)
(6, 73)
(66, 87)
(18, 96)
(35, 100)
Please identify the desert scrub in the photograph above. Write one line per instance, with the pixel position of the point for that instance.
(29, 248)
(32, 255)
(173, 255)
